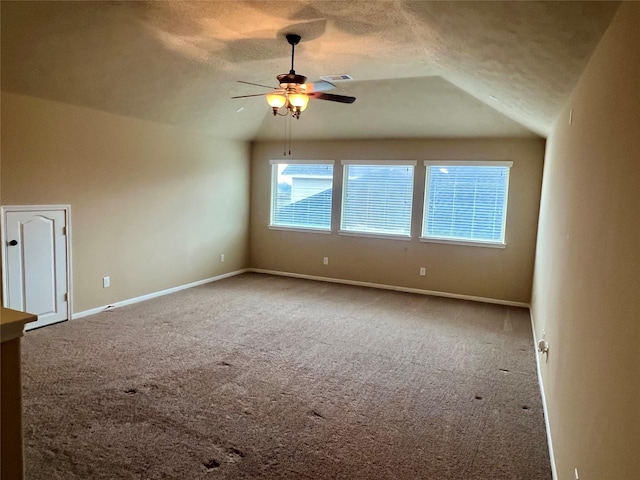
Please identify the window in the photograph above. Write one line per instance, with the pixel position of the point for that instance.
(377, 198)
(466, 202)
(301, 194)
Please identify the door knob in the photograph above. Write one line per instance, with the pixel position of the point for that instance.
(13, 243)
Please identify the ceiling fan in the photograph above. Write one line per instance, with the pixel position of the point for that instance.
(294, 93)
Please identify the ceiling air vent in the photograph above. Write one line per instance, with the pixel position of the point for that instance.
(343, 77)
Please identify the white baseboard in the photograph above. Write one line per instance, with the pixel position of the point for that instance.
(130, 301)
(149, 296)
(552, 459)
(392, 287)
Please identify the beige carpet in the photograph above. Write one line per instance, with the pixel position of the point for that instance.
(262, 377)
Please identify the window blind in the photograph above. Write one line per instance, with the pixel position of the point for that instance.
(377, 198)
(466, 202)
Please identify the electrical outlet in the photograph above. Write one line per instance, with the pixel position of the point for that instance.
(325, 261)
(222, 258)
(423, 271)
(106, 282)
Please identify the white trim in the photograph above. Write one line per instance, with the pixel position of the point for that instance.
(3, 241)
(467, 243)
(552, 459)
(299, 229)
(391, 287)
(300, 162)
(391, 163)
(469, 163)
(149, 296)
(384, 236)
(29, 208)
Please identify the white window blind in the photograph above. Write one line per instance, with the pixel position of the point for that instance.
(301, 194)
(377, 198)
(466, 201)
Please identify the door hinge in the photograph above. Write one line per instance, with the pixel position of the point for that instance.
(64, 230)
(66, 297)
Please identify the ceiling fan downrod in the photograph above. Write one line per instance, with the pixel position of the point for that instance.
(291, 77)
(293, 40)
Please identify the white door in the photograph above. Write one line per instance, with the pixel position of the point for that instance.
(36, 264)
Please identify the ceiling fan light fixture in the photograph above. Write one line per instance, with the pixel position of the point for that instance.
(292, 95)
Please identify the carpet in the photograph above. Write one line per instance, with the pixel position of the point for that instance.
(264, 377)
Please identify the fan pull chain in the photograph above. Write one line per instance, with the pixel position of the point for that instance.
(290, 134)
(287, 127)
(287, 136)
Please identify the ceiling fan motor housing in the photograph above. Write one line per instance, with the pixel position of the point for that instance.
(291, 78)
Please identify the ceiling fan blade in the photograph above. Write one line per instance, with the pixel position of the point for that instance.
(332, 98)
(254, 95)
(319, 86)
(257, 84)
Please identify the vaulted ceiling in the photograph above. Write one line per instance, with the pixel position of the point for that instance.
(420, 68)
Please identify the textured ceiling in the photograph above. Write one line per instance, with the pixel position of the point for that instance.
(421, 69)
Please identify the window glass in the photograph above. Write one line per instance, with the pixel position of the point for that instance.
(466, 202)
(301, 195)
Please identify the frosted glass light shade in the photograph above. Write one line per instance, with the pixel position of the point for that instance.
(299, 100)
(276, 100)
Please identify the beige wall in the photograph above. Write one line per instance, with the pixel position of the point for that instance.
(587, 277)
(152, 206)
(503, 274)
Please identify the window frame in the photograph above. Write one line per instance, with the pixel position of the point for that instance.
(464, 163)
(345, 178)
(274, 189)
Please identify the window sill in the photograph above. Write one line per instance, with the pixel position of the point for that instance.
(299, 229)
(466, 243)
(383, 236)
